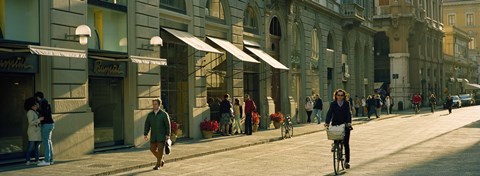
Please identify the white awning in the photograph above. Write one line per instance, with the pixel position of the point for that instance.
(232, 49)
(267, 58)
(193, 41)
(148, 60)
(60, 52)
(251, 43)
(472, 86)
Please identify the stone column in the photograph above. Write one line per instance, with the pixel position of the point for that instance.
(399, 64)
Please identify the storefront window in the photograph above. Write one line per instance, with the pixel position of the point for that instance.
(19, 20)
(216, 71)
(109, 29)
(174, 82)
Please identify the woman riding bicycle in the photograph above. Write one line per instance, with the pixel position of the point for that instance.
(339, 113)
(417, 99)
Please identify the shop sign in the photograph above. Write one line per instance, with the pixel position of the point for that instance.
(107, 68)
(19, 64)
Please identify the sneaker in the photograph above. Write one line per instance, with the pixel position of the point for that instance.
(27, 163)
(347, 166)
(43, 163)
(51, 163)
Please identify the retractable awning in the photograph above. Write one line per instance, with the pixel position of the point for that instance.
(148, 60)
(193, 41)
(267, 58)
(60, 52)
(232, 49)
(472, 86)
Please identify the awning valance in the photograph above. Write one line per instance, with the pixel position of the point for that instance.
(250, 43)
(60, 52)
(193, 41)
(267, 58)
(232, 49)
(472, 86)
(148, 60)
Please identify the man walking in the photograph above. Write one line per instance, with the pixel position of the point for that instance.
(317, 108)
(158, 122)
(250, 106)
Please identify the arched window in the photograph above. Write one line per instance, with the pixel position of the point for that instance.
(215, 9)
(250, 21)
(330, 42)
(314, 48)
(174, 5)
(275, 27)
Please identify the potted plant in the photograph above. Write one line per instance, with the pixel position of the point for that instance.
(255, 121)
(208, 127)
(174, 131)
(277, 119)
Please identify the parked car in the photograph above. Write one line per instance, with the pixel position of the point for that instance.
(456, 101)
(467, 99)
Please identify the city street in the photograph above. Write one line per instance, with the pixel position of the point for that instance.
(423, 144)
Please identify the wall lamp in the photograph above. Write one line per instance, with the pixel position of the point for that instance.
(82, 32)
(154, 41)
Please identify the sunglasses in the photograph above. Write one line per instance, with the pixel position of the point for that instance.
(340, 95)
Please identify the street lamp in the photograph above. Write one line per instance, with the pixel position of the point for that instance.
(82, 32)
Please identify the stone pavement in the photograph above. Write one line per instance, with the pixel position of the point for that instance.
(118, 161)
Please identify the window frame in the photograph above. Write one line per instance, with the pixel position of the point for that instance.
(467, 19)
(174, 8)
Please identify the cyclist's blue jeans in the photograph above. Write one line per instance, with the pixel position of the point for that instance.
(47, 141)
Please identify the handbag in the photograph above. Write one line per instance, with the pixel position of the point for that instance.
(168, 146)
(336, 132)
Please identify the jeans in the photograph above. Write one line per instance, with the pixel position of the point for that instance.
(346, 145)
(309, 114)
(318, 115)
(248, 123)
(47, 141)
(32, 146)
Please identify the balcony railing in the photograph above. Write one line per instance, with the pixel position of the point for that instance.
(353, 10)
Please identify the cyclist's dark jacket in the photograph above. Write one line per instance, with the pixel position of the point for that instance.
(339, 115)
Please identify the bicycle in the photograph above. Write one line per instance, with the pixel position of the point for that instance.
(287, 127)
(417, 107)
(337, 134)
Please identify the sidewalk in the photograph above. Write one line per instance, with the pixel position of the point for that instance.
(118, 161)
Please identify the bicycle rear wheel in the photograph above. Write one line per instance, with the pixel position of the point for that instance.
(282, 130)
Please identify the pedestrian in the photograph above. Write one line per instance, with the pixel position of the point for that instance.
(249, 108)
(364, 106)
(226, 115)
(48, 125)
(392, 102)
(449, 104)
(371, 107)
(317, 108)
(379, 105)
(433, 102)
(34, 130)
(237, 111)
(339, 113)
(158, 124)
(357, 105)
(309, 108)
(387, 104)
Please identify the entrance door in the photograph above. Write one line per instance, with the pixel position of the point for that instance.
(14, 90)
(106, 101)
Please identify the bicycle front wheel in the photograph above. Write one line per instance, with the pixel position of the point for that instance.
(282, 130)
(336, 166)
(290, 127)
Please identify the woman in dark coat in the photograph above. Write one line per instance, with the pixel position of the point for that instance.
(339, 113)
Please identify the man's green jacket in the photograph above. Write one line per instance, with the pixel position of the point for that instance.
(159, 125)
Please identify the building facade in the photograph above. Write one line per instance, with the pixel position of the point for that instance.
(408, 48)
(457, 63)
(277, 51)
(465, 15)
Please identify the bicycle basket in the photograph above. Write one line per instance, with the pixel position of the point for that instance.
(336, 132)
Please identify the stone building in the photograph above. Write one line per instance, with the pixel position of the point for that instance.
(100, 89)
(465, 16)
(408, 48)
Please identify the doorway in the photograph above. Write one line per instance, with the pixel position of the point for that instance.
(106, 101)
(13, 137)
